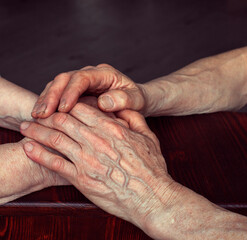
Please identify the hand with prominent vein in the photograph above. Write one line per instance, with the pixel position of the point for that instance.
(118, 165)
(116, 168)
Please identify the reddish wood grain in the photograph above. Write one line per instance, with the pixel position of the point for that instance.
(68, 227)
(206, 153)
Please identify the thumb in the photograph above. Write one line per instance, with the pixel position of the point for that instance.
(116, 100)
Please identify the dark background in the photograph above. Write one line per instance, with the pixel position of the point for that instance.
(142, 38)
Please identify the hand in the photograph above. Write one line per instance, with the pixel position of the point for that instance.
(20, 176)
(117, 91)
(120, 170)
(212, 84)
(124, 173)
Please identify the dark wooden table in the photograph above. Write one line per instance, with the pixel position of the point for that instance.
(144, 39)
(207, 153)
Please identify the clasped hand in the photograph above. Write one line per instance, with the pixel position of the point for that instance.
(116, 163)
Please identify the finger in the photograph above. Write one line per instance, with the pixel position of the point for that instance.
(89, 100)
(93, 102)
(116, 100)
(49, 160)
(50, 97)
(137, 123)
(105, 65)
(39, 100)
(51, 138)
(87, 68)
(77, 85)
(123, 122)
(88, 114)
(66, 123)
(94, 117)
(95, 80)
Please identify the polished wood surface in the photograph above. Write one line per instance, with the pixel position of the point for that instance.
(206, 153)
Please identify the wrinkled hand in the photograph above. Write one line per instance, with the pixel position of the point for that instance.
(116, 91)
(120, 170)
(20, 176)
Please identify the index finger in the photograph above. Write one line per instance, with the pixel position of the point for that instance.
(49, 99)
(96, 80)
(68, 87)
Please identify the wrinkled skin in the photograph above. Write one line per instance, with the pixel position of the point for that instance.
(20, 175)
(120, 170)
(103, 80)
(208, 85)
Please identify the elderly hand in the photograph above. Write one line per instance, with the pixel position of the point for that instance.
(117, 91)
(212, 84)
(120, 170)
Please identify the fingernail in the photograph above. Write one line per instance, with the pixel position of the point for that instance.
(62, 104)
(106, 102)
(24, 125)
(35, 108)
(41, 109)
(28, 147)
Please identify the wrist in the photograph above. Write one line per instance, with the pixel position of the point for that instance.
(161, 95)
(212, 84)
(157, 224)
(191, 216)
(16, 104)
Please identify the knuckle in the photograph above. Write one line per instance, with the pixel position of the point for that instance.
(124, 97)
(104, 65)
(56, 139)
(136, 115)
(115, 76)
(118, 130)
(79, 107)
(59, 119)
(101, 143)
(39, 153)
(52, 95)
(79, 74)
(62, 76)
(57, 164)
(87, 67)
(53, 92)
(124, 123)
(33, 131)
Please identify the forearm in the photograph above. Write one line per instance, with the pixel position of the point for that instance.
(16, 104)
(191, 216)
(212, 84)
